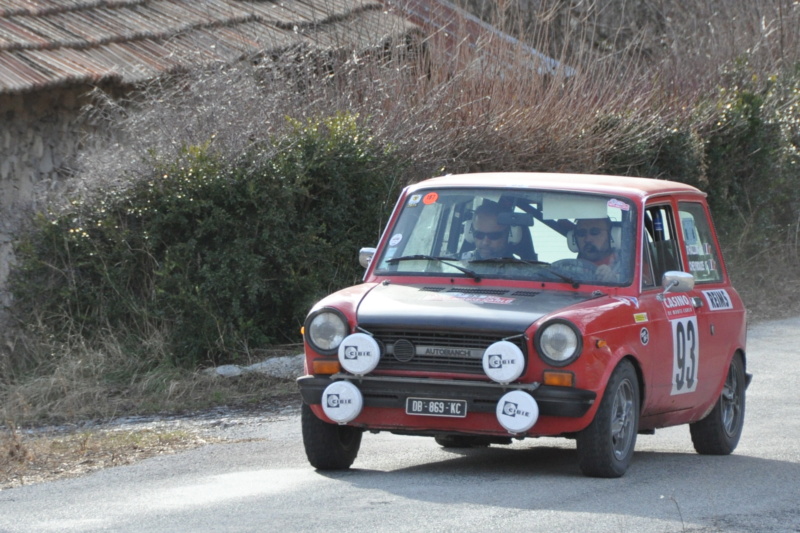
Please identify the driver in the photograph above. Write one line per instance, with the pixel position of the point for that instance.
(593, 238)
(491, 238)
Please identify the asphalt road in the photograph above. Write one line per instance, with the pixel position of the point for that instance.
(262, 481)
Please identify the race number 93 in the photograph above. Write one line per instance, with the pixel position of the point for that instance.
(685, 344)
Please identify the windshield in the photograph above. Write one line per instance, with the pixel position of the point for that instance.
(513, 234)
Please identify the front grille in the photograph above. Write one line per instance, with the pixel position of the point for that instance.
(437, 351)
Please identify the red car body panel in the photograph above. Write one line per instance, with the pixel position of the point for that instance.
(615, 322)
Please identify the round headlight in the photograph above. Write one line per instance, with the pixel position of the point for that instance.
(326, 330)
(558, 343)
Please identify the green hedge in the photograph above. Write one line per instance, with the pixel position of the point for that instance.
(742, 147)
(223, 256)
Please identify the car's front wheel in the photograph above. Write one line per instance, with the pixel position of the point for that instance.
(605, 447)
(719, 432)
(328, 446)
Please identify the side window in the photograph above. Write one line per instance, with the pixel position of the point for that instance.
(660, 240)
(701, 250)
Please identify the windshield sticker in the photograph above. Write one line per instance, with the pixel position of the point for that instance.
(618, 204)
(678, 306)
(640, 317)
(396, 239)
(689, 231)
(414, 200)
(718, 299)
(430, 198)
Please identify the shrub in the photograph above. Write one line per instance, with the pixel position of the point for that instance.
(752, 150)
(224, 255)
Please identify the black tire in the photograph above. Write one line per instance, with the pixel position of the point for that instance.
(605, 447)
(719, 432)
(328, 446)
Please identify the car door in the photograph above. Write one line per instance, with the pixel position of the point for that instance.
(670, 336)
(714, 300)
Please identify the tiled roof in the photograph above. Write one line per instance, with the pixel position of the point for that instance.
(44, 43)
(454, 27)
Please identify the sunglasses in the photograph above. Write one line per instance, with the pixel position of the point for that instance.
(594, 232)
(493, 235)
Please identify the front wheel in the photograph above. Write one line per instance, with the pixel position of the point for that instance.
(605, 447)
(719, 432)
(328, 446)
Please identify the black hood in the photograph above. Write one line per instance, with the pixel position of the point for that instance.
(460, 308)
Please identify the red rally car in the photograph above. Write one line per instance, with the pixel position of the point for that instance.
(501, 306)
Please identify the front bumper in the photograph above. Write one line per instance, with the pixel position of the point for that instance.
(482, 397)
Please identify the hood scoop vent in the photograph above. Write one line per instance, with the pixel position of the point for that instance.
(493, 292)
(526, 293)
(432, 289)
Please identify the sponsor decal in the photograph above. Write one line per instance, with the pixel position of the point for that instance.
(336, 401)
(396, 239)
(644, 336)
(718, 299)
(628, 300)
(708, 265)
(678, 305)
(430, 198)
(513, 409)
(619, 204)
(640, 318)
(450, 352)
(352, 352)
(471, 298)
(685, 355)
(496, 361)
(413, 201)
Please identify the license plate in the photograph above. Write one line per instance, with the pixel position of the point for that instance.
(433, 407)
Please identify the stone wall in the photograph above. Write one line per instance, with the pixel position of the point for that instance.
(40, 134)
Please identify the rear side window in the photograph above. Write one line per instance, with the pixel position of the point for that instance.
(701, 250)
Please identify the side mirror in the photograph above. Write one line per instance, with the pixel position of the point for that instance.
(365, 256)
(676, 281)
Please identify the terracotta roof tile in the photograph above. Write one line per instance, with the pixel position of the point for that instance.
(49, 42)
(44, 43)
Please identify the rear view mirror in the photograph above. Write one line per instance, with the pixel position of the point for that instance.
(515, 219)
(677, 281)
(365, 256)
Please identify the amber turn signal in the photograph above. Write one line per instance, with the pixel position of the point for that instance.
(559, 378)
(322, 366)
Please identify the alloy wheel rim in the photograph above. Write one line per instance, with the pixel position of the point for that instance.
(622, 418)
(729, 402)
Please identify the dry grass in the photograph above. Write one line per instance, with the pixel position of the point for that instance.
(27, 458)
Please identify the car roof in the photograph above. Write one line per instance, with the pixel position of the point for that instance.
(622, 185)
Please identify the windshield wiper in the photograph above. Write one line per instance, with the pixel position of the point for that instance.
(471, 273)
(509, 259)
(515, 260)
(572, 281)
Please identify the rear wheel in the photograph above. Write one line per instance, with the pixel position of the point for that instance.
(719, 432)
(605, 447)
(328, 446)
